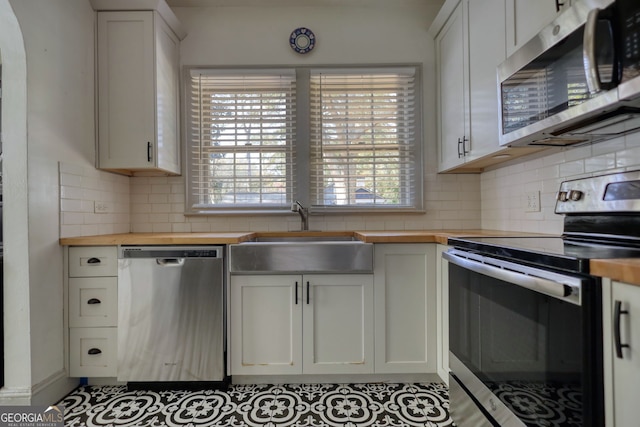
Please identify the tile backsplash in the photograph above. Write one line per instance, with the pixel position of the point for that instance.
(92, 201)
(504, 188)
(157, 205)
(494, 199)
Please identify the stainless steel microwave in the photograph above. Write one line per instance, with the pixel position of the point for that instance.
(577, 81)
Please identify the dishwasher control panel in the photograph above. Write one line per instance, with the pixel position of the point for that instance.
(170, 252)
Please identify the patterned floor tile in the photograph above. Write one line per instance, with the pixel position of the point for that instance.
(289, 405)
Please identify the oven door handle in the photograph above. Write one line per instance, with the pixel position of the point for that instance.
(505, 271)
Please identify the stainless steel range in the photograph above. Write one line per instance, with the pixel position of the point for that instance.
(525, 315)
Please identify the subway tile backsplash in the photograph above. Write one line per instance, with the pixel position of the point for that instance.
(495, 199)
(157, 205)
(92, 201)
(504, 188)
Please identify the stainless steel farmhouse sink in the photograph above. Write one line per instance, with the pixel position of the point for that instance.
(290, 254)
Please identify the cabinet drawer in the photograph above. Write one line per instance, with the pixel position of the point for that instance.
(93, 302)
(92, 352)
(93, 261)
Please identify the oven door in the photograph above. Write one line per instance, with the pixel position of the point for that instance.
(525, 344)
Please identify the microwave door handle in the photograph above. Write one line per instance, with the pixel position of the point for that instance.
(590, 57)
(590, 60)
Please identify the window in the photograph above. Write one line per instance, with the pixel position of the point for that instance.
(350, 141)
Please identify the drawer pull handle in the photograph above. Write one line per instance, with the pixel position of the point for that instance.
(94, 351)
(94, 301)
(93, 261)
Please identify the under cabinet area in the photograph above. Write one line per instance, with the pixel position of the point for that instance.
(138, 93)
(92, 311)
(301, 324)
(621, 314)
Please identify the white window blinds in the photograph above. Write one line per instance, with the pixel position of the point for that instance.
(364, 148)
(242, 128)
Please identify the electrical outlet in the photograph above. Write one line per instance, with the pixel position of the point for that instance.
(102, 207)
(532, 199)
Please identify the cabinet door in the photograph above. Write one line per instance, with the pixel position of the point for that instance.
(126, 110)
(338, 324)
(405, 328)
(266, 325)
(525, 18)
(167, 97)
(626, 370)
(452, 89)
(486, 51)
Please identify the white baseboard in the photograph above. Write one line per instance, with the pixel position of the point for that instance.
(46, 392)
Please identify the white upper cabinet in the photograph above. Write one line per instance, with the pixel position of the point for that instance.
(470, 41)
(138, 93)
(486, 52)
(525, 18)
(469, 47)
(453, 95)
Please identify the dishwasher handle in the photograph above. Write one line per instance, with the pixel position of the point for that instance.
(170, 262)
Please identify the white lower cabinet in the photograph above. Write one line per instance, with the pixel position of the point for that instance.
(442, 298)
(405, 308)
(622, 371)
(92, 301)
(301, 324)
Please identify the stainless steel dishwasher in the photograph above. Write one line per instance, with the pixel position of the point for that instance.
(171, 314)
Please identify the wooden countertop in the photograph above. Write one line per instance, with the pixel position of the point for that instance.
(624, 270)
(158, 239)
(418, 236)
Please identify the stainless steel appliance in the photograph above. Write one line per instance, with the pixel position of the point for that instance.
(577, 81)
(171, 314)
(525, 329)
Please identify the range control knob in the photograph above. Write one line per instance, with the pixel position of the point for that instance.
(575, 195)
(563, 196)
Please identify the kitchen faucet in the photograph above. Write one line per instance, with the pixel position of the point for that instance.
(296, 206)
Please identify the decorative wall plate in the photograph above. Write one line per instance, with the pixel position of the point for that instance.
(302, 40)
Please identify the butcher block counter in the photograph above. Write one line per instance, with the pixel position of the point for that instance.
(625, 270)
(418, 236)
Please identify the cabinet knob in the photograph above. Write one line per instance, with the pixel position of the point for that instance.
(94, 351)
(94, 301)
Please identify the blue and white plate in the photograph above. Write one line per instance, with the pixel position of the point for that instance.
(302, 40)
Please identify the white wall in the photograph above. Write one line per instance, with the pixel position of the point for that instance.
(502, 188)
(371, 32)
(16, 267)
(59, 43)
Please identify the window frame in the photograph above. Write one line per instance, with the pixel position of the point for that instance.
(301, 150)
